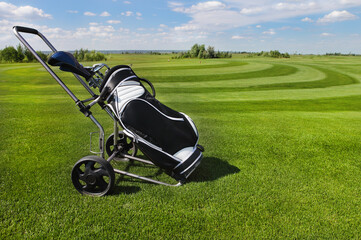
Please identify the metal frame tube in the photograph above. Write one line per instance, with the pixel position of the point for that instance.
(101, 135)
(136, 159)
(85, 85)
(18, 29)
(146, 179)
(27, 45)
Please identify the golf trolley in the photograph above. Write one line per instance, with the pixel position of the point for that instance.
(169, 139)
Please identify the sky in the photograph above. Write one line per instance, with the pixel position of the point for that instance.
(293, 26)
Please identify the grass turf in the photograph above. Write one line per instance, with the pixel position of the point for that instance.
(282, 158)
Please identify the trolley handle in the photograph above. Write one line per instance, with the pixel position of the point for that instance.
(26, 30)
(18, 29)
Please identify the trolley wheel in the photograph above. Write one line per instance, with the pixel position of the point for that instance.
(92, 175)
(125, 144)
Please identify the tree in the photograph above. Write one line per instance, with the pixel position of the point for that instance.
(82, 53)
(275, 54)
(76, 54)
(202, 51)
(194, 51)
(211, 52)
(20, 54)
(199, 51)
(9, 54)
(29, 56)
(42, 55)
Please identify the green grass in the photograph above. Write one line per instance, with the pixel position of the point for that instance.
(282, 159)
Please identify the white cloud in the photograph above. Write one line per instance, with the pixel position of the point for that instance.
(90, 14)
(269, 32)
(173, 5)
(186, 27)
(337, 16)
(138, 15)
(207, 19)
(295, 6)
(203, 6)
(327, 34)
(307, 19)
(284, 28)
(127, 13)
(100, 29)
(113, 21)
(215, 16)
(72, 11)
(94, 31)
(124, 30)
(10, 11)
(126, 2)
(250, 11)
(238, 37)
(351, 2)
(105, 14)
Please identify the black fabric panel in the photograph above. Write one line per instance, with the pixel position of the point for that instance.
(168, 164)
(109, 73)
(165, 109)
(115, 80)
(108, 86)
(170, 135)
(161, 107)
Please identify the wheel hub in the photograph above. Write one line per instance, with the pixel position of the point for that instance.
(91, 179)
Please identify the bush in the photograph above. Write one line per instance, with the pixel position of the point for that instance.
(199, 51)
(42, 55)
(272, 53)
(85, 55)
(20, 54)
(9, 54)
(29, 57)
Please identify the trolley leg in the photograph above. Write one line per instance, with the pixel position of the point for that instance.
(146, 179)
(101, 135)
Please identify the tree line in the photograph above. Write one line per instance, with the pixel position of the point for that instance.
(89, 56)
(272, 53)
(20, 54)
(341, 54)
(200, 51)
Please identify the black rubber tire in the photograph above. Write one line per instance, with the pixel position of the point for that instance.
(93, 176)
(127, 148)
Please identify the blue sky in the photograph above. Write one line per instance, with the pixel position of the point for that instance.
(294, 26)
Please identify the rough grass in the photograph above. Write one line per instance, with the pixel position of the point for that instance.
(282, 158)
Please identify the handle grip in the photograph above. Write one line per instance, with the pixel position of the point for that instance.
(25, 30)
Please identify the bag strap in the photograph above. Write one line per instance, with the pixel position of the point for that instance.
(149, 83)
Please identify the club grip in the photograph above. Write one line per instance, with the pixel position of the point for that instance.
(25, 30)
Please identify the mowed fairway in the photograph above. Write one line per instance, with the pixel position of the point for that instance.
(282, 159)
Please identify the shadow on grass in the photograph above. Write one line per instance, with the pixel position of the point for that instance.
(211, 169)
(125, 190)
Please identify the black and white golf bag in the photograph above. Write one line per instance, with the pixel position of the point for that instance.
(167, 137)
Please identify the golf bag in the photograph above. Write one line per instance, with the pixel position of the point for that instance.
(167, 137)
